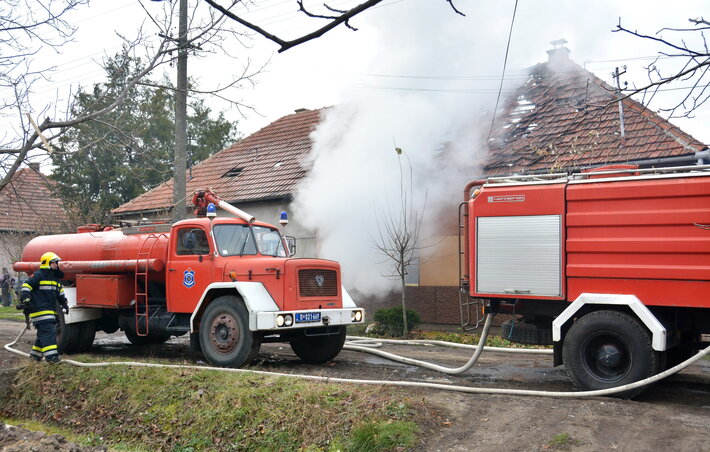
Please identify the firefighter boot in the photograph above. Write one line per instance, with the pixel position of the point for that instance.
(53, 359)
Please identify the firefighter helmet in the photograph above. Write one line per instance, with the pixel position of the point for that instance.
(47, 258)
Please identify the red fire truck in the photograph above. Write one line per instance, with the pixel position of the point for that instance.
(610, 266)
(229, 281)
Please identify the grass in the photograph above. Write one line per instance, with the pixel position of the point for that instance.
(562, 441)
(192, 410)
(10, 313)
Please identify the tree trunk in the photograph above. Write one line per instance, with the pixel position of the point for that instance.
(404, 309)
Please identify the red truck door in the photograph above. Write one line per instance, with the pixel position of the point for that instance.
(189, 267)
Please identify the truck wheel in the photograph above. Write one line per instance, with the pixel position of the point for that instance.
(604, 349)
(67, 335)
(319, 349)
(87, 334)
(150, 339)
(225, 338)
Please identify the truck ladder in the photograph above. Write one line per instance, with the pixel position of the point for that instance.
(465, 302)
(141, 274)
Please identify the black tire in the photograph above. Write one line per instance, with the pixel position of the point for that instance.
(319, 349)
(74, 337)
(87, 334)
(67, 335)
(225, 338)
(521, 332)
(605, 349)
(150, 339)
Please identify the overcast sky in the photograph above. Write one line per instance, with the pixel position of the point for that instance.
(381, 56)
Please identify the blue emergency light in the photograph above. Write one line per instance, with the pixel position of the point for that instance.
(284, 218)
(211, 210)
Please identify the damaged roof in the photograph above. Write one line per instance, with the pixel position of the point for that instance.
(565, 118)
(266, 165)
(29, 204)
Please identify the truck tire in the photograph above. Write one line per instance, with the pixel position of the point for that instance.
(150, 339)
(74, 337)
(67, 335)
(319, 349)
(605, 349)
(225, 338)
(521, 332)
(87, 334)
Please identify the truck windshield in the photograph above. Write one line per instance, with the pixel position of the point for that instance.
(234, 239)
(269, 241)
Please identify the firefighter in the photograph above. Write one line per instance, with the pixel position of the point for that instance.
(39, 297)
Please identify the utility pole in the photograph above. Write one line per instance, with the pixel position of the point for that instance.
(616, 75)
(180, 162)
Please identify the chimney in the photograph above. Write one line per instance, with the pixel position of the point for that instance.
(34, 166)
(559, 54)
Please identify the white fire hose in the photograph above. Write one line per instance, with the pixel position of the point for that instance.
(406, 384)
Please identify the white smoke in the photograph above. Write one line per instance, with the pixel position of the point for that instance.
(355, 176)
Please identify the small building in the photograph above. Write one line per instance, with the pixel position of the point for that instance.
(29, 206)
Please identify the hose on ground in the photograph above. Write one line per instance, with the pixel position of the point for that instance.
(404, 384)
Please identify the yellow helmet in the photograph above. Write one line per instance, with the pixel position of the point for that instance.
(47, 258)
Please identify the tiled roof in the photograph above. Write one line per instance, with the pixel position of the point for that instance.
(28, 203)
(570, 119)
(266, 165)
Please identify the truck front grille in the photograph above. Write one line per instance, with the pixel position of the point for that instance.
(317, 283)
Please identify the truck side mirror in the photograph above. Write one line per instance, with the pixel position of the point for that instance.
(291, 242)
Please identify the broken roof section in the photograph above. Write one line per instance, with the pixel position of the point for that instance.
(30, 204)
(266, 165)
(566, 118)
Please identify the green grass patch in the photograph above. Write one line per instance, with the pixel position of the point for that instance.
(10, 313)
(191, 410)
(562, 441)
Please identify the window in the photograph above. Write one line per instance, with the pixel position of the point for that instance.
(192, 241)
(269, 241)
(234, 239)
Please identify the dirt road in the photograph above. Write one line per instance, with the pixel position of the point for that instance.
(673, 415)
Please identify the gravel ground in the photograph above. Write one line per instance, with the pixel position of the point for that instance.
(672, 415)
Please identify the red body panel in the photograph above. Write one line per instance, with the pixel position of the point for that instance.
(639, 237)
(634, 236)
(518, 200)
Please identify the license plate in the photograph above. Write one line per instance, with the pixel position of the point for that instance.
(306, 317)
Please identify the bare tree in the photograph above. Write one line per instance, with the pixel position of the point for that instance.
(692, 66)
(46, 21)
(333, 16)
(398, 235)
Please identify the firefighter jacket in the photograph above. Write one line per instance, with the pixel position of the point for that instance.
(41, 294)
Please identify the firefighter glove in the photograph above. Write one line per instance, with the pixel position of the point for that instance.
(65, 308)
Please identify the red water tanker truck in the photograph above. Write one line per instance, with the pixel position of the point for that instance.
(231, 282)
(610, 266)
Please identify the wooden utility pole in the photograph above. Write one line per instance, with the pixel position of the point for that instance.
(180, 163)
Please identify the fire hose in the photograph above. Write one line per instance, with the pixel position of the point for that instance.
(405, 384)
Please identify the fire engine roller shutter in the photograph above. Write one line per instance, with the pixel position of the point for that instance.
(519, 255)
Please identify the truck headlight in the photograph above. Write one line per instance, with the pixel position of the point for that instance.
(356, 316)
(280, 320)
(288, 320)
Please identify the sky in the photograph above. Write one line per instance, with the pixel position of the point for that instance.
(416, 77)
(345, 63)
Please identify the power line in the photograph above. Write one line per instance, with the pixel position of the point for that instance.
(505, 63)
